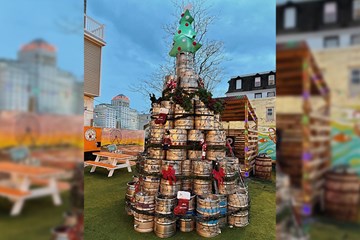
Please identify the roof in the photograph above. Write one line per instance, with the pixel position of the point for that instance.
(235, 109)
(310, 16)
(248, 83)
(252, 74)
(121, 97)
(291, 60)
(38, 44)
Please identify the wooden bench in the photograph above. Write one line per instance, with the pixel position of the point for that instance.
(61, 185)
(21, 175)
(12, 193)
(132, 163)
(130, 153)
(113, 162)
(100, 164)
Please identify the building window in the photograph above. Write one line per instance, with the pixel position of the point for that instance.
(271, 94)
(270, 114)
(238, 84)
(332, 41)
(271, 80)
(356, 9)
(355, 77)
(257, 82)
(258, 95)
(354, 86)
(290, 18)
(355, 39)
(330, 12)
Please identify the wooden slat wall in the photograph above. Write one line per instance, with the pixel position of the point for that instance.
(315, 169)
(239, 146)
(304, 150)
(92, 67)
(289, 156)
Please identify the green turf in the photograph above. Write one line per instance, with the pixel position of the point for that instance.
(105, 216)
(36, 220)
(329, 229)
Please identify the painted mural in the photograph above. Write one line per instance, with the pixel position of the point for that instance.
(346, 142)
(39, 130)
(122, 137)
(267, 142)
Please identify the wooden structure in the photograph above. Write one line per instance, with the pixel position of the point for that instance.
(245, 145)
(103, 158)
(304, 150)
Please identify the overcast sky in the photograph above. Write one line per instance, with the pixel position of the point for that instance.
(135, 45)
(134, 36)
(60, 23)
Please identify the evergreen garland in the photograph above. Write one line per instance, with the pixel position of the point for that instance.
(184, 99)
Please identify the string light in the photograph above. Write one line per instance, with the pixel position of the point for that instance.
(306, 95)
(306, 156)
(305, 120)
(306, 209)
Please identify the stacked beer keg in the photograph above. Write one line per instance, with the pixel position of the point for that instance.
(213, 204)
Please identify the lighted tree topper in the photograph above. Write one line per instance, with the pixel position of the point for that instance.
(184, 39)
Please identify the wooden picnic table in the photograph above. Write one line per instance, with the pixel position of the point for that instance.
(102, 159)
(22, 177)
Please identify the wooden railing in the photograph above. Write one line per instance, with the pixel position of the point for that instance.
(93, 27)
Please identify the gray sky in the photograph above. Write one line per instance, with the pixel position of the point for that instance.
(135, 45)
(58, 22)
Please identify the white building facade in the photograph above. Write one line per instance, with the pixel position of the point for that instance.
(105, 116)
(118, 114)
(34, 83)
(260, 89)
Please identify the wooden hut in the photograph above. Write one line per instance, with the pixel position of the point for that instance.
(303, 123)
(244, 133)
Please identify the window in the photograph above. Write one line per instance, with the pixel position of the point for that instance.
(332, 41)
(356, 9)
(270, 114)
(354, 85)
(238, 84)
(271, 80)
(289, 18)
(271, 94)
(257, 82)
(258, 95)
(355, 39)
(355, 77)
(330, 12)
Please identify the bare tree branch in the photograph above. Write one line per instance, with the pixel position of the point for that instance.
(207, 59)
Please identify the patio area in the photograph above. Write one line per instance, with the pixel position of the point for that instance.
(105, 216)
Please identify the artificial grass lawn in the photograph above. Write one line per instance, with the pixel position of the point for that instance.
(105, 216)
(36, 220)
(329, 229)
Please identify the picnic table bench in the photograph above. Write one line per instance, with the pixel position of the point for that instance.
(22, 176)
(111, 161)
(12, 193)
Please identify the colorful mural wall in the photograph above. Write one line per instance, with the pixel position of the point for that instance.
(39, 130)
(346, 143)
(337, 65)
(267, 141)
(122, 136)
